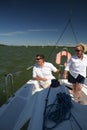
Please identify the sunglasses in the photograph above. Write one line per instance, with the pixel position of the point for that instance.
(38, 58)
(78, 50)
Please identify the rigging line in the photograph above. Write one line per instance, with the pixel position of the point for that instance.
(59, 38)
(46, 101)
(73, 31)
(30, 67)
(63, 32)
(21, 71)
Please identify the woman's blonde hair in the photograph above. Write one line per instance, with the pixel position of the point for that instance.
(84, 46)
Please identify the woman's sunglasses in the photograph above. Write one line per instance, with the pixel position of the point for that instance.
(78, 50)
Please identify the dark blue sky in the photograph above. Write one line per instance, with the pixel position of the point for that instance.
(25, 22)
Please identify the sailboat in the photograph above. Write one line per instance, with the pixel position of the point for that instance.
(53, 108)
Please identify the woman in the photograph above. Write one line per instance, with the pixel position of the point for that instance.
(77, 70)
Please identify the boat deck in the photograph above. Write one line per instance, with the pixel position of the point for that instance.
(83, 96)
(28, 104)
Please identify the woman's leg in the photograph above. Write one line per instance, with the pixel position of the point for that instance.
(74, 90)
(77, 90)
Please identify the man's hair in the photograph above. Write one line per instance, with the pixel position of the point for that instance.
(40, 55)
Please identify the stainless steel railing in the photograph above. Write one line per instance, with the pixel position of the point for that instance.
(9, 77)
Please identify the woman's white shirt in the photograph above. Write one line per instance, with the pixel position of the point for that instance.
(77, 66)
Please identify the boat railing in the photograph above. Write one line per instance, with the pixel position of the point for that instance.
(9, 84)
(9, 77)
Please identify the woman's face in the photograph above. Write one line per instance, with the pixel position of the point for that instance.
(79, 51)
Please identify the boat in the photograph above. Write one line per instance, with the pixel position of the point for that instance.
(25, 109)
(53, 108)
(28, 108)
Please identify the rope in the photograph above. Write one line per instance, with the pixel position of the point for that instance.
(59, 111)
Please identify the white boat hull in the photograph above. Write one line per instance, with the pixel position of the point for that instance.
(28, 104)
(17, 110)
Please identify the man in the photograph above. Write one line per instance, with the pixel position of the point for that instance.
(42, 71)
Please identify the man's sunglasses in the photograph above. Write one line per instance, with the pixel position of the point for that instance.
(38, 58)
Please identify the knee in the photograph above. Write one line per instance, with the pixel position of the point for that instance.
(79, 87)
